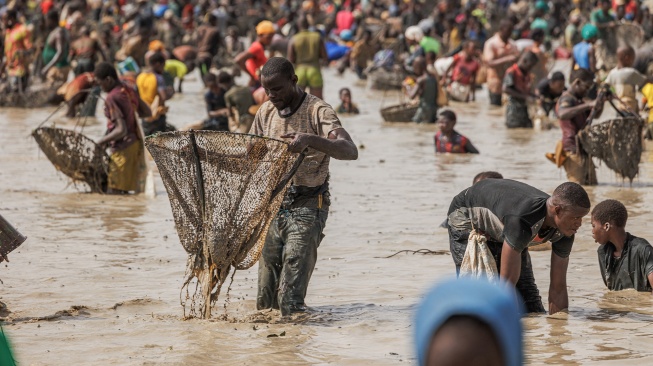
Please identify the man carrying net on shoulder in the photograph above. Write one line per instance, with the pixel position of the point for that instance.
(313, 127)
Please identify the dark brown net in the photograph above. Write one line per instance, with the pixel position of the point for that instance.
(224, 190)
(31, 98)
(627, 34)
(616, 142)
(75, 155)
(10, 238)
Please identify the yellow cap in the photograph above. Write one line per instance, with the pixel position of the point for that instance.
(156, 45)
(265, 27)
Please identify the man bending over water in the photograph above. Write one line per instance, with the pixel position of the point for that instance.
(290, 250)
(514, 216)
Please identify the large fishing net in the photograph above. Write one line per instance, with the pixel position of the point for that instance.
(33, 97)
(626, 34)
(224, 190)
(617, 142)
(75, 155)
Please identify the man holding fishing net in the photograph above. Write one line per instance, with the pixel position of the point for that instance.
(313, 127)
(512, 216)
(123, 134)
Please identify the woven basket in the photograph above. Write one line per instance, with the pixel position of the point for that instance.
(399, 113)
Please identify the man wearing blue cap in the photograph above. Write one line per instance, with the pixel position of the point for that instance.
(469, 322)
(513, 216)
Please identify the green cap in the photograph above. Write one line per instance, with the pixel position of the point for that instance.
(589, 31)
(542, 5)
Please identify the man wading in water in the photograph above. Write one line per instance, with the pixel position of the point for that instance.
(514, 216)
(290, 250)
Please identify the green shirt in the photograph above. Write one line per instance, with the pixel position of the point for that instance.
(430, 44)
(307, 48)
(6, 358)
(598, 17)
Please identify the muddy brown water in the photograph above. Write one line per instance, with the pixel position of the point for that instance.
(103, 274)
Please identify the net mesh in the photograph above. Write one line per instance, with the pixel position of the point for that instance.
(28, 99)
(617, 142)
(224, 190)
(623, 35)
(75, 155)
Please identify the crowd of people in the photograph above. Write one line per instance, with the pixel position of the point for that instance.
(139, 52)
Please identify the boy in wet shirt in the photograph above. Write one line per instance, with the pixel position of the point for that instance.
(517, 85)
(625, 261)
(346, 105)
(548, 91)
(626, 80)
(447, 140)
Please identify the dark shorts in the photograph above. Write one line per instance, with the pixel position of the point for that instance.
(495, 99)
(84, 65)
(526, 283)
(160, 125)
(216, 124)
(517, 115)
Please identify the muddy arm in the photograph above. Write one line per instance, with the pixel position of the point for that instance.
(558, 297)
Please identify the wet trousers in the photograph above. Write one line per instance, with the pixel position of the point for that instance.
(580, 169)
(289, 257)
(526, 283)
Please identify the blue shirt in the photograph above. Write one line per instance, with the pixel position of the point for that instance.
(581, 53)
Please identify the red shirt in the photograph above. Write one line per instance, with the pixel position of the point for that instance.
(516, 78)
(630, 7)
(456, 145)
(187, 16)
(46, 6)
(258, 59)
(464, 70)
(344, 20)
(121, 103)
(571, 127)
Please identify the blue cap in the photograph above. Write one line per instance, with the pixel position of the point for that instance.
(496, 304)
(346, 35)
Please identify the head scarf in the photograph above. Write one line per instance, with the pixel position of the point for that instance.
(414, 33)
(498, 305)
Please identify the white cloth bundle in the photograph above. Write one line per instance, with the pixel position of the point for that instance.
(478, 261)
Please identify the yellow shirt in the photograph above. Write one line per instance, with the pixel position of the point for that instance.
(147, 86)
(176, 68)
(647, 90)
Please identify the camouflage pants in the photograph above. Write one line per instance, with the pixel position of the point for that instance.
(288, 258)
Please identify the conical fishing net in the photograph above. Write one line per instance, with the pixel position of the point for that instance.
(627, 34)
(224, 190)
(75, 155)
(617, 142)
